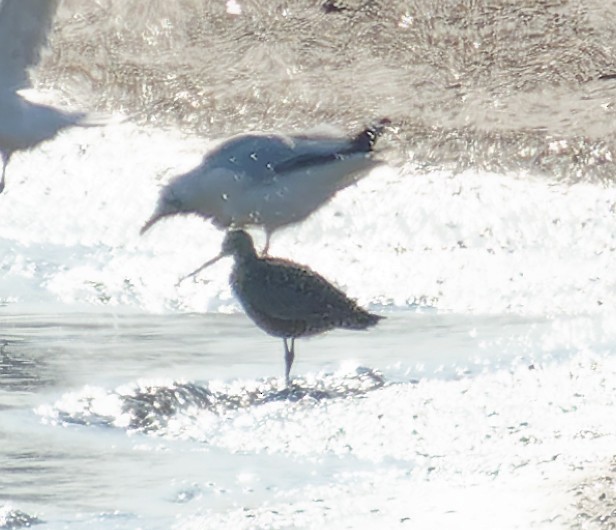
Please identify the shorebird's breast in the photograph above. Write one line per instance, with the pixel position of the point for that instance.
(257, 294)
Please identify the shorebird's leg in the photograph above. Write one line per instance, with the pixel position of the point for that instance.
(5, 161)
(268, 236)
(289, 355)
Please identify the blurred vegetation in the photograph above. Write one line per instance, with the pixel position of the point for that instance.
(494, 84)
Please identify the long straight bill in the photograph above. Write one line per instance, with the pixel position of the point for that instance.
(204, 266)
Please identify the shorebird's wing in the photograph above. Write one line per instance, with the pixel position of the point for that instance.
(24, 27)
(288, 291)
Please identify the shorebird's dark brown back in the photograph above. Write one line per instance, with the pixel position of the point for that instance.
(288, 300)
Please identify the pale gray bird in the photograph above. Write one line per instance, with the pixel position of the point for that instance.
(269, 180)
(24, 28)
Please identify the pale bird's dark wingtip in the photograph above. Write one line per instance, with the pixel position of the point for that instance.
(366, 139)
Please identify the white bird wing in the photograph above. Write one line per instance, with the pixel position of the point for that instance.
(24, 27)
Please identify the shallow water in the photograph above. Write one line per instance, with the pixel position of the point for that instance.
(135, 420)
(483, 400)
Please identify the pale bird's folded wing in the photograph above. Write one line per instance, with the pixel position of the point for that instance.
(264, 157)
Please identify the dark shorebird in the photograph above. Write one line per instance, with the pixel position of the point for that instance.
(286, 299)
(269, 180)
(24, 26)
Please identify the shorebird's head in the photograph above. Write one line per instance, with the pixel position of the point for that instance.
(237, 243)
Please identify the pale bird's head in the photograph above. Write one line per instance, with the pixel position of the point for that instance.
(167, 205)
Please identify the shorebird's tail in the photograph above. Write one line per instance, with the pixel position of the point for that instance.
(361, 320)
(366, 139)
